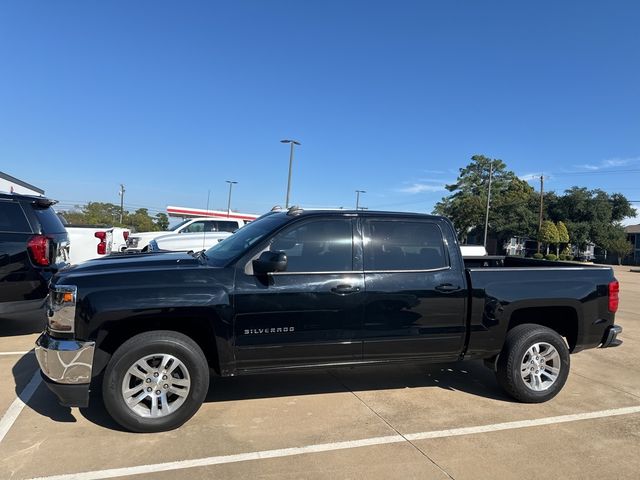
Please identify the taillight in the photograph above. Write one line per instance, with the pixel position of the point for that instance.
(102, 246)
(125, 234)
(614, 290)
(39, 248)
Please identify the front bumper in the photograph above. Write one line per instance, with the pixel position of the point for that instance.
(66, 368)
(610, 337)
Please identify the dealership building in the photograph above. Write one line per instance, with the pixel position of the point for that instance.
(633, 235)
(9, 184)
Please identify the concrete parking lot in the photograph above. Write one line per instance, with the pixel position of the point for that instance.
(445, 421)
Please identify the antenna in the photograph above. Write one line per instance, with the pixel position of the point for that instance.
(204, 230)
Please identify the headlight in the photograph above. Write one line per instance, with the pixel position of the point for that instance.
(61, 308)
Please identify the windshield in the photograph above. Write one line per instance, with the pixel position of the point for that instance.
(176, 227)
(231, 247)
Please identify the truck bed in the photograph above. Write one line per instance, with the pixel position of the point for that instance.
(568, 295)
(500, 261)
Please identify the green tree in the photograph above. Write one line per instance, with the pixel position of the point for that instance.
(108, 215)
(548, 234)
(512, 210)
(589, 214)
(140, 221)
(563, 235)
(94, 213)
(620, 245)
(162, 221)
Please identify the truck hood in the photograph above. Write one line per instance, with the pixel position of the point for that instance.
(123, 263)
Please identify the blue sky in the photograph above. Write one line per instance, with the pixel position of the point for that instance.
(174, 98)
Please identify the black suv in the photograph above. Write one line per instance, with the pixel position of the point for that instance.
(33, 246)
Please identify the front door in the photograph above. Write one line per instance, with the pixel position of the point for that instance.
(415, 300)
(312, 312)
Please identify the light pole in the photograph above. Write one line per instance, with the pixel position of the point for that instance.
(486, 218)
(292, 143)
(231, 183)
(358, 192)
(121, 193)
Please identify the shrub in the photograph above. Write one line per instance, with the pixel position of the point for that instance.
(551, 256)
(569, 257)
(538, 256)
(562, 257)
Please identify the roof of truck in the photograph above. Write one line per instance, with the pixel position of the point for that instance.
(297, 211)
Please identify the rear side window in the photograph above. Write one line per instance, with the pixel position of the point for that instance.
(195, 227)
(48, 220)
(224, 226)
(212, 226)
(404, 245)
(12, 218)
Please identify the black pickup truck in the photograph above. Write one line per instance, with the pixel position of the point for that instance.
(301, 289)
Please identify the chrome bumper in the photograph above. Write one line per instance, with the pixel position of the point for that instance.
(610, 337)
(65, 361)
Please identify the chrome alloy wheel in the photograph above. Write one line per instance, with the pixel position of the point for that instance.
(156, 385)
(540, 366)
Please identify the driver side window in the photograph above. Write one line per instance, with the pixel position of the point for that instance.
(317, 246)
(195, 227)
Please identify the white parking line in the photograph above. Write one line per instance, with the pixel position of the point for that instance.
(9, 418)
(16, 353)
(327, 447)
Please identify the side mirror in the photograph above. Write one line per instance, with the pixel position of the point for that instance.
(269, 262)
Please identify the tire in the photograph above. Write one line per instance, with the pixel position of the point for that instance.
(158, 402)
(534, 363)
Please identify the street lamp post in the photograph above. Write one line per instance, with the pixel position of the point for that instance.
(358, 192)
(121, 193)
(231, 183)
(486, 218)
(292, 143)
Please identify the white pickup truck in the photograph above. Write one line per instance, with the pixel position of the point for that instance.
(184, 242)
(202, 227)
(91, 241)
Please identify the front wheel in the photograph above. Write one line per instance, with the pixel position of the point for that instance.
(534, 363)
(155, 381)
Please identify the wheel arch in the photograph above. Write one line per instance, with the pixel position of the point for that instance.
(113, 335)
(563, 319)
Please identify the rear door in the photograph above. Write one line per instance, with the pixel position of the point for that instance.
(18, 281)
(415, 293)
(48, 224)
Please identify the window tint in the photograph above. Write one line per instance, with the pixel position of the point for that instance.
(195, 227)
(226, 226)
(317, 246)
(12, 218)
(49, 220)
(404, 245)
(212, 226)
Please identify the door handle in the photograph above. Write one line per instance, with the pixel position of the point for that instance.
(345, 289)
(448, 288)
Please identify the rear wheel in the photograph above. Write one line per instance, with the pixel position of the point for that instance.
(155, 381)
(534, 363)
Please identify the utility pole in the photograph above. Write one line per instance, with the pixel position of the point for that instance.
(292, 143)
(486, 218)
(358, 192)
(231, 184)
(541, 207)
(121, 193)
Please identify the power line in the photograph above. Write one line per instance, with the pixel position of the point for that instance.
(597, 172)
